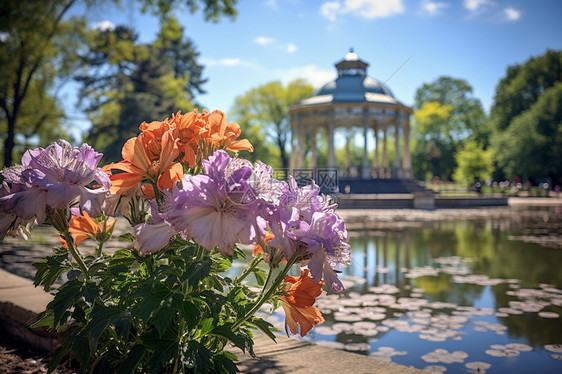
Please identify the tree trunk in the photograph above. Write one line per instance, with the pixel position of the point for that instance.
(284, 158)
(9, 143)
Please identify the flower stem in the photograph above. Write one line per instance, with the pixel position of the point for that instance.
(264, 297)
(251, 266)
(74, 252)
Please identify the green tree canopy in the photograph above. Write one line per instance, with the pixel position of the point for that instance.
(473, 162)
(268, 106)
(446, 114)
(38, 41)
(531, 146)
(33, 54)
(527, 119)
(522, 85)
(126, 83)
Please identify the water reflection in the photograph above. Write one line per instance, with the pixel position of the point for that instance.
(461, 295)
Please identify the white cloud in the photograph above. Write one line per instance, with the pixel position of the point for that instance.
(233, 61)
(291, 48)
(272, 4)
(330, 9)
(433, 8)
(369, 9)
(264, 40)
(104, 26)
(4, 36)
(316, 76)
(477, 6)
(512, 14)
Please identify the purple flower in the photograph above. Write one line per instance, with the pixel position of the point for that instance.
(220, 208)
(55, 177)
(152, 237)
(305, 220)
(326, 238)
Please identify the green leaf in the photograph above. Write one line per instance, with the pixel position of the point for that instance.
(221, 264)
(260, 275)
(128, 237)
(97, 267)
(206, 326)
(195, 273)
(167, 312)
(225, 331)
(227, 362)
(132, 359)
(239, 253)
(101, 316)
(203, 358)
(236, 295)
(191, 314)
(46, 320)
(68, 295)
(265, 326)
(165, 350)
(49, 270)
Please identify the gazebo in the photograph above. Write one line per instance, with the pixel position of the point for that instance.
(353, 100)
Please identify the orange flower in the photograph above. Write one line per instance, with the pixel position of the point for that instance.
(221, 135)
(84, 227)
(258, 248)
(152, 138)
(141, 162)
(186, 130)
(298, 304)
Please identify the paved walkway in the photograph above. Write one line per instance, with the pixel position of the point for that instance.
(20, 302)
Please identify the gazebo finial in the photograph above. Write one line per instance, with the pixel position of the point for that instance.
(350, 49)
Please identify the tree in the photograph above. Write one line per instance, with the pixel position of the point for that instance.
(28, 33)
(28, 58)
(531, 146)
(522, 86)
(473, 163)
(527, 119)
(268, 106)
(445, 116)
(127, 83)
(433, 147)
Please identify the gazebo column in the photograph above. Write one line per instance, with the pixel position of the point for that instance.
(397, 172)
(331, 154)
(376, 165)
(384, 154)
(301, 146)
(294, 126)
(407, 162)
(313, 149)
(366, 169)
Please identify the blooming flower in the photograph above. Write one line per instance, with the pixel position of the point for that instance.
(186, 130)
(82, 227)
(326, 238)
(298, 303)
(141, 162)
(223, 135)
(153, 236)
(305, 220)
(219, 208)
(54, 177)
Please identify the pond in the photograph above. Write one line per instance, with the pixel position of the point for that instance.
(464, 295)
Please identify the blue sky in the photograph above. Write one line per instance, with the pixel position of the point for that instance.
(407, 42)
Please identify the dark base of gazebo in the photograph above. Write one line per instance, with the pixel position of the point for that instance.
(378, 186)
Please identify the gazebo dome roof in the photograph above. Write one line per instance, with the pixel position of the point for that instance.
(352, 86)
